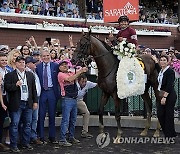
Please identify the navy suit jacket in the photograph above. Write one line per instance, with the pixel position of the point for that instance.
(54, 75)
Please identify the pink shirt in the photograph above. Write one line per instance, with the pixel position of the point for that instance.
(61, 77)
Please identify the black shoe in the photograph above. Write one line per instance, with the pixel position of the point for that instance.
(53, 141)
(43, 141)
(3, 148)
(15, 150)
(74, 141)
(28, 147)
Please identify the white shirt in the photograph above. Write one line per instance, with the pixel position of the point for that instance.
(160, 77)
(83, 91)
(37, 82)
(23, 79)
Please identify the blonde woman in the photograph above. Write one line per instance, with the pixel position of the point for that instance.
(12, 57)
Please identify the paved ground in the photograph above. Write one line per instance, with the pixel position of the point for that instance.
(88, 146)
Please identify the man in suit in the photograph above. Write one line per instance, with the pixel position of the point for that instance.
(47, 72)
(22, 98)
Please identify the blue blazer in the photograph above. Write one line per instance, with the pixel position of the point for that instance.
(54, 74)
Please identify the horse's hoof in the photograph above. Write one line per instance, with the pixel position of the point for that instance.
(156, 134)
(144, 133)
(117, 140)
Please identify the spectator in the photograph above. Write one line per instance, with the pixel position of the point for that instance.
(69, 93)
(18, 9)
(99, 16)
(5, 7)
(12, 58)
(75, 14)
(3, 98)
(25, 51)
(31, 66)
(45, 7)
(83, 87)
(62, 13)
(22, 95)
(69, 7)
(47, 72)
(53, 54)
(91, 6)
(36, 55)
(58, 8)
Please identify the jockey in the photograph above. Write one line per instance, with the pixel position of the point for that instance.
(124, 32)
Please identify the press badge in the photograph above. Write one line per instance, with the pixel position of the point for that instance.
(24, 89)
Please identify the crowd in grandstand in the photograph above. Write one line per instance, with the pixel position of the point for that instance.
(151, 12)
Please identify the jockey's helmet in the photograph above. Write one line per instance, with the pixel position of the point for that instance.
(123, 18)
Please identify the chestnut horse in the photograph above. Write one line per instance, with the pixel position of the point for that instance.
(107, 64)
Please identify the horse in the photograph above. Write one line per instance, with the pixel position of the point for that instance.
(107, 63)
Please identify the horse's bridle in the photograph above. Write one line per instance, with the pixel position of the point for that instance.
(85, 57)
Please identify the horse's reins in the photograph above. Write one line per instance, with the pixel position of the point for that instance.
(85, 59)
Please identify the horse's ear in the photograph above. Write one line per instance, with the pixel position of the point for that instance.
(82, 33)
(90, 31)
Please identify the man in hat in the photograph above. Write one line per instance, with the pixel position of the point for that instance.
(69, 93)
(36, 56)
(125, 32)
(22, 99)
(31, 66)
(5, 7)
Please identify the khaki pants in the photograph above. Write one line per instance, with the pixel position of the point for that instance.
(82, 108)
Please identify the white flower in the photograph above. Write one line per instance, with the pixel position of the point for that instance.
(126, 49)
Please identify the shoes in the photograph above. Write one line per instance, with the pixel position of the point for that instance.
(65, 143)
(86, 135)
(28, 147)
(74, 141)
(53, 141)
(4, 148)
(15, 150)
(43, 141)
(37, 142)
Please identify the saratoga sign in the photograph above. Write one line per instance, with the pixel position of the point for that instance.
(113, 9)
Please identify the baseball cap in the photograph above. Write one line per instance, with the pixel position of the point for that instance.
(63, 61)
(5, 3)
(30, 59)
(36, 53)
(19, 58)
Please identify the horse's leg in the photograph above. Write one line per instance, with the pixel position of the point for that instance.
(117, 102)
(148, 104)
(158, 127)
(104, 99)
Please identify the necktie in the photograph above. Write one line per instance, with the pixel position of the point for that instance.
(45, 78)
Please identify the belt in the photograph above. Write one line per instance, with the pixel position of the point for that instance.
(49, 88)
(69, 97)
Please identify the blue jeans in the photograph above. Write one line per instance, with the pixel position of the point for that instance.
(69, 116)
(34, 124)
(24, 113)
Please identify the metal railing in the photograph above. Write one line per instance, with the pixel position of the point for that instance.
(133, 106)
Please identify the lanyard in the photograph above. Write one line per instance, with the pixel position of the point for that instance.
(21, 76)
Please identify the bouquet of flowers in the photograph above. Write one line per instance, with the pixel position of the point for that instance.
(124, 49)
(176, 67)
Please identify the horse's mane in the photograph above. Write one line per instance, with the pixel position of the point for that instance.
(105, 44)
